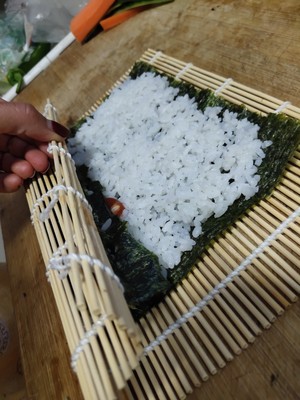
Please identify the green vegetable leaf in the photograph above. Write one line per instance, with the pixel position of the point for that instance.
(122, 5)
(15, 75)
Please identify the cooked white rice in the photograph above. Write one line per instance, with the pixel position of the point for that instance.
(171, 165)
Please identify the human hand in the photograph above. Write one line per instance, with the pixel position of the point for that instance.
(24, 137)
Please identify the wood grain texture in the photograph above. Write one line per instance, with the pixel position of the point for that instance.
(12, 384)
(268, 369)
(255, 43)
(45, 355)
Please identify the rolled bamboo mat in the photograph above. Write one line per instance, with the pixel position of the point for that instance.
(101, 334)
(238, 287)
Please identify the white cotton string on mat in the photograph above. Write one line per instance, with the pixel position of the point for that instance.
(155, 57)
(223, 86)
(61, 263)
(183, 70)
(60, 150)
(54, 193)
(58, 253)
(282, 107)
(216, 290)
(86, 340)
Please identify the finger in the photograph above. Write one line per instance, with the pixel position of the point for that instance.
(25, 161)
(44, 148)
(35, 156)
(9, 182)
(17, 166)
(24, 120)
(18, 147)
(37, 159)
(4, 141)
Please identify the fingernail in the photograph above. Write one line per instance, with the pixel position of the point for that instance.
(58, 128)
(47, 169)
(32, 176)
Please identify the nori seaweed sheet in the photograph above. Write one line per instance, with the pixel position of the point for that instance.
(138, 268)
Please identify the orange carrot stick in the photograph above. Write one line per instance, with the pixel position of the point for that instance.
(120, 17)
(86, 20)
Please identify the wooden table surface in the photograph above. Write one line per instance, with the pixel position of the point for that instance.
(255, 42)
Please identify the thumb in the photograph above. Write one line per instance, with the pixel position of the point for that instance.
(24, 120)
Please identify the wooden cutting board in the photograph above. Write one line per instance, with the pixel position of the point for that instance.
(255, 43)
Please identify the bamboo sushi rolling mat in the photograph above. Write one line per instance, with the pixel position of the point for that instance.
(240, 285)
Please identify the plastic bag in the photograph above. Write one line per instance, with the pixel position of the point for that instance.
(12, 45)
(49, 20)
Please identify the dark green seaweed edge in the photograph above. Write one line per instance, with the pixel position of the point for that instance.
(283, 131)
